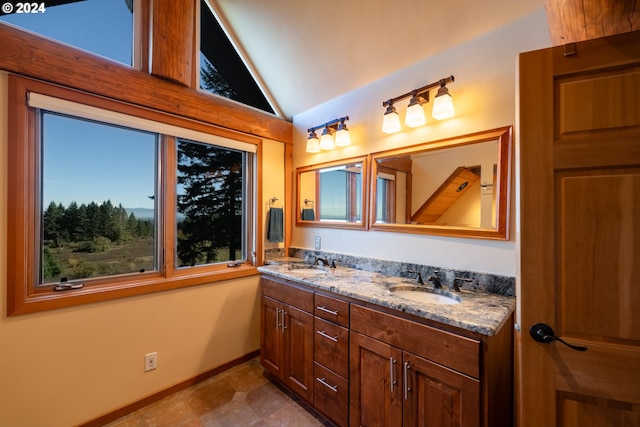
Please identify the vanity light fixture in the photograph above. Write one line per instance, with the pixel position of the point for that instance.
(442, 106)
(335, 127)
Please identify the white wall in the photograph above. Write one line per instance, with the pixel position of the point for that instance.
(484, 95)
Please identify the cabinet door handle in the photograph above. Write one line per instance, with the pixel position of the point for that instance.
(277, 318)
(282, 325)
(392, 375)
(326, 310)
(327, 336)
(405, 373)
(333, 388)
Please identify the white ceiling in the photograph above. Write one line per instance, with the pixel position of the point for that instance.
(307, 52)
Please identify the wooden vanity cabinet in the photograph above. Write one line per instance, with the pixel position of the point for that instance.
(411, 374)
(331, 358)
(287, 335)
(362, 366)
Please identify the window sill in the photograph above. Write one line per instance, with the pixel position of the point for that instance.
(33, 302)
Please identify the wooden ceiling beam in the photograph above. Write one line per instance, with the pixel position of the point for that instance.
(572, 21)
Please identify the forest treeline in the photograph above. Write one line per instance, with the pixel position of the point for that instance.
(88, 223)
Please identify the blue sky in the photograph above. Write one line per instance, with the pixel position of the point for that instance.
(89, 162)
(84, 161)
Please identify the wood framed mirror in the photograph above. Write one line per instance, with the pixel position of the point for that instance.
(452, 187)
(333, 194)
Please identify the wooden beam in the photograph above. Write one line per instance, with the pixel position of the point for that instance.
(30, 55)
(572, 21)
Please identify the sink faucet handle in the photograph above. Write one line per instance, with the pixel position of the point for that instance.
(454, 285)
(419, 280)
(435, 280)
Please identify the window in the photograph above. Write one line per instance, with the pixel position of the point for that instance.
(222, 69)
(341, 194)
(98, 199)
(211, 204)
(104, 27)
(115, 200)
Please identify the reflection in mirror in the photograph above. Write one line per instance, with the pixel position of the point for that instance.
(332, 194)
(454, 187)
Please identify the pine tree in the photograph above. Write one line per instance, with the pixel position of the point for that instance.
(211, 201)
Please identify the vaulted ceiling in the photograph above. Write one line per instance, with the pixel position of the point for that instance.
(307, 52)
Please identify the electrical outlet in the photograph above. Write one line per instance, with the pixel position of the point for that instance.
(317, 246)
(150, 361)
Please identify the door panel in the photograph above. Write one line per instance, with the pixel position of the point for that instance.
(579, 234)
(298, 339)
(597, 213)
(375, 402)
(271, 336)
(439, 397)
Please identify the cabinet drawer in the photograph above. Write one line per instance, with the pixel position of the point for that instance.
(297, 297)
(332, 346)
(331, 395)
(451, 350)
(332, 309)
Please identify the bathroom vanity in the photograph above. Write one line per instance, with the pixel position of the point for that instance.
(349, 344)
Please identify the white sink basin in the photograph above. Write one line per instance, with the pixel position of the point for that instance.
(420, 294)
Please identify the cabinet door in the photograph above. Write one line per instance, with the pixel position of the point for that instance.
(376, 394)
(298, 348)
(435, 396)
(271, 337)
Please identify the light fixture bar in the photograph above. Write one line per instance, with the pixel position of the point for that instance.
(331, 123)
(335, 127)
(419, 91)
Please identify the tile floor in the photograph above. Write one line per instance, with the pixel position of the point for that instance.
(241, 396)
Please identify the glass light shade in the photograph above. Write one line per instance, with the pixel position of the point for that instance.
(342, 137)
(313, 144)
(391, 121)
(326, 140)
(442, 105)
(415, 115)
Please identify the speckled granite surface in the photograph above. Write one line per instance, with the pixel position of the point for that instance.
(478, 311)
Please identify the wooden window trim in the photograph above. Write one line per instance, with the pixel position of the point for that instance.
(22, 294)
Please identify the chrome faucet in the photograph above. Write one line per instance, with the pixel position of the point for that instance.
(435, 280)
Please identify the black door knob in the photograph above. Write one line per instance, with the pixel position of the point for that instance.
(543, 333)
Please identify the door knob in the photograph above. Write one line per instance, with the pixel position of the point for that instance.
(543, 333)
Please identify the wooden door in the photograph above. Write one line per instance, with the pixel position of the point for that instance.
(579, 234)
(435, 396)
(375, 382)
(298, 348)
(271, 337)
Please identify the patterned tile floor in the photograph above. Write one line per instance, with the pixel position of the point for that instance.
(241, 396)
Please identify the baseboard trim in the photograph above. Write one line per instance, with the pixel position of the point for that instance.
(121, 412)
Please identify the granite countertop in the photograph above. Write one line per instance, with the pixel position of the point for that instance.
(480, 312)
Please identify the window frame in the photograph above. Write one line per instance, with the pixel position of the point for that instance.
(23, 209)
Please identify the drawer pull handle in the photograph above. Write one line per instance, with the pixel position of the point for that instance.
(392, 374)
(407, 389)
(327, 336)
(326, 310)
(283, 325)
(333, 388)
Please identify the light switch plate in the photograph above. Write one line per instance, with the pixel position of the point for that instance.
(317, 245)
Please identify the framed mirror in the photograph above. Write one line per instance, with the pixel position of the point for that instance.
(453, 187)
(333, 194)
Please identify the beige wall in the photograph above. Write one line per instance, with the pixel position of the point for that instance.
(484, 97)
(67, 366)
